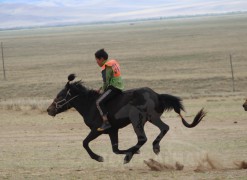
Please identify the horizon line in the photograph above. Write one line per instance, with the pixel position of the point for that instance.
(67, 24)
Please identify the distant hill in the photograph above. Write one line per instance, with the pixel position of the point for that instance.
(122, 21)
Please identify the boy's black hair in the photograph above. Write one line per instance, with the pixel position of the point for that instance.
(101, 54)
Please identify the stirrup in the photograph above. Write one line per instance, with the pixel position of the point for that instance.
(104, 126)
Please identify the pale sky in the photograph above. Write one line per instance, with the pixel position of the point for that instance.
(15, 13)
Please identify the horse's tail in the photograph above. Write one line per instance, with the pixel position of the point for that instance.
(169, 102)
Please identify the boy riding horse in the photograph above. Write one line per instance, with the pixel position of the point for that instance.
(112, 84)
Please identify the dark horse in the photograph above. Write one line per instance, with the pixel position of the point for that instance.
(136, 106)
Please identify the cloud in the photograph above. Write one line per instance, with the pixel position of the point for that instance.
(46, 12)
(175, 8)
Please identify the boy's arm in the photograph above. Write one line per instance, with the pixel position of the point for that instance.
(109, 74)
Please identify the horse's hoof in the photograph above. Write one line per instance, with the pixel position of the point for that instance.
(156, 151)
(100, 159)
(127, 158)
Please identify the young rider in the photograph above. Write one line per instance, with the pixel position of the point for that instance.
(112, 84)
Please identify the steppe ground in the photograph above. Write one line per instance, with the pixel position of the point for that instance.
(187, 57)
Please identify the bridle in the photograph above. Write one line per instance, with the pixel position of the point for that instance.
(64, 101)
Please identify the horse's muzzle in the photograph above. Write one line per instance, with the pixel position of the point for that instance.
(51, 111)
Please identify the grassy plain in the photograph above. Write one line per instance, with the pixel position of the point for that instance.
(184, 57)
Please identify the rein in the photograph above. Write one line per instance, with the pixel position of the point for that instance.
(57, 104)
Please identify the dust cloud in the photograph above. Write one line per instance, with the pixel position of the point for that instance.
(206, 163)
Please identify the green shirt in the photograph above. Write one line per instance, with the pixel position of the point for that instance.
(110, 80)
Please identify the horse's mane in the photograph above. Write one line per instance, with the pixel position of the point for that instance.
(80, 88)
(83, 89)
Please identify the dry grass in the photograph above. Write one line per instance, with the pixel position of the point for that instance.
(184, 57)
(26, 104)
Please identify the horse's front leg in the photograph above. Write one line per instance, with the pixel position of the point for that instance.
(91, 136)
(114, 142)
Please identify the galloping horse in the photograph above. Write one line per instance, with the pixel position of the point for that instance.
(136, 106)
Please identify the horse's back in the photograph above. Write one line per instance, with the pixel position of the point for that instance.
(137, 90)
(136, 96)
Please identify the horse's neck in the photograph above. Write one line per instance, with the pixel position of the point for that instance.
(84, 103)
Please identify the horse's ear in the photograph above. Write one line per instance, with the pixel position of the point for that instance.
(71, 77)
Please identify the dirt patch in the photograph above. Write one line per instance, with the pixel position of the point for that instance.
(241, 164)
(156, 166)
(208, 163)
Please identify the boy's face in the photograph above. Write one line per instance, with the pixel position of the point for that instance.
(100, 61)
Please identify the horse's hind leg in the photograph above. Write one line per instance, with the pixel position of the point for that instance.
(114, 141)
(163, 130)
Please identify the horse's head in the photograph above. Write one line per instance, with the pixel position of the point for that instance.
(64, 98)
(245, 105)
